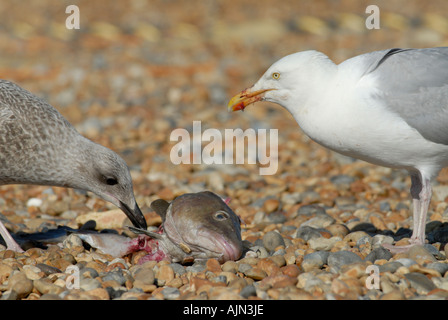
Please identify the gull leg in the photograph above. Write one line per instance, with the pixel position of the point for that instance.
(418, 235)
(421, 194)
(11, 244)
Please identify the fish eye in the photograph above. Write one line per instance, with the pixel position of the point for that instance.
(221, 215)
(276, 75)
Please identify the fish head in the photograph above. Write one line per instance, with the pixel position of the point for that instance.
(203, 226)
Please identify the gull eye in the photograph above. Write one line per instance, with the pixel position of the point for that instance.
(276, 75)
(111, 181)
(221, 215)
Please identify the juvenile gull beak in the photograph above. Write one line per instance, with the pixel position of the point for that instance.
(136, 216)
(245, 98)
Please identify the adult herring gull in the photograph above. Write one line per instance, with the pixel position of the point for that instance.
(388, 108)
(38, 146)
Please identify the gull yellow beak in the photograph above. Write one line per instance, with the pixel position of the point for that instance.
(245, 98)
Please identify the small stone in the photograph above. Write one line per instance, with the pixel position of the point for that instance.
(310, 209)
(441, 267)
(320, 221)
(268, 266)
(394, 294)
(420, 282)
(364, 226)
(314, 260)
(338, 259)
(5, 272)
(45, 286)
(378, 254)
(420, 253)
(248, 291)
(260, 251)
(407, 262)
(338, 230)
(170, 293)
(291, 270)
(390, 266)
(272, 240)
(164, 274)
(99, 293)
(19, 283)
(270, 205)
(88, 284)
(255, 273)
(378, 240)
(319, 244)
(145, 276)
(230, 266)
(213, 266)
(306, 233)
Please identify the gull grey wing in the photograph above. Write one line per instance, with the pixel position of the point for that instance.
(413, 83)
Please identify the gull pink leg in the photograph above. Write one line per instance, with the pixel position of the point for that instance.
(421, 194)
(11, 244)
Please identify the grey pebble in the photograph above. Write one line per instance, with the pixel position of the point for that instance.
(320, 221)
(306, 233)
(310, 209)
(115, 276)
(170, 293)
(420, 282)
(276, 217)
(248, 291)
(390, 266)
(385, 206)
(177, 268)
(378, 240)
(378, 254)
(338, 259)
(89, 284)
(441, 267)
(88, 273)
(342, 179)
(315, 260)
(272, 240)
(407, 262)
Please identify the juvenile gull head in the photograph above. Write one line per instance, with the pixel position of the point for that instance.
(39, 146)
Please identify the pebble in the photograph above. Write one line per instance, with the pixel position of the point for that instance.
(272, 240)
(315, 260)
(20, 284)
(420, 253)
(323, 243)
(306, 233)
(420, 282)
(338, 259)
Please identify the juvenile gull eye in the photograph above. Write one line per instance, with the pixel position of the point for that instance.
(221, 215)
(276, 75)
(111, 181)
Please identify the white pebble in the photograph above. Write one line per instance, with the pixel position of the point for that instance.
(34, 202)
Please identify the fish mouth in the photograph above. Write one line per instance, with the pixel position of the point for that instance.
(219, 246)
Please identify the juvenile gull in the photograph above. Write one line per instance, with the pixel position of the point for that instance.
(387, 107)
(38, 146)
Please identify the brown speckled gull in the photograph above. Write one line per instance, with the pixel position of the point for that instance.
(39, 146)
